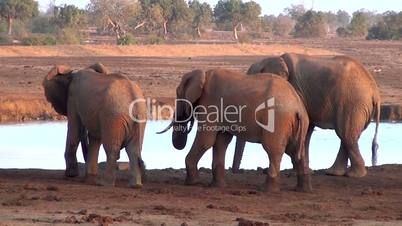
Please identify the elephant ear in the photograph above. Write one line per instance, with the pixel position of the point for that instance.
(191, 87)
(274, 65)
(56, 84)
(100, 68)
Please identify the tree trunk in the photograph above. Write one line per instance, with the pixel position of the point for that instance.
(198, 32)
(10, 25)
(235, 32)
(140, 25)
(165, 31)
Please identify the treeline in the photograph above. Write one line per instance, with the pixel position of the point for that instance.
(159, 20)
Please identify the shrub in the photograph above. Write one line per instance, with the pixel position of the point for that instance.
(245, 38)
(5, 40)
(343, 32)
(68, 36)
(36, 40)
(42, 24)
(283, 25)
(49, 40)
(33, 40)
(359, 24)
(128, 39)
(154, 40)
(311, 24)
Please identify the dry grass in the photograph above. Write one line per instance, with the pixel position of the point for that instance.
(184, 50)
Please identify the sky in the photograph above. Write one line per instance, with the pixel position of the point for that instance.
(276, 6)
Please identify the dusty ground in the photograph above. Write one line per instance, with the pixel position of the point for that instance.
(44, 198)
(21, 94)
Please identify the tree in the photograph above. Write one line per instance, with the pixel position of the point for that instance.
(202, 15)
(359, 24)
(69, 16)
(295, 11)
(236, 13)
(311, 24)
(390, 27)
(113, 15)
(343, 18)
(283, 25)
(17, 9)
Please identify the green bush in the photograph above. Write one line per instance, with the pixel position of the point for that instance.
(68, 36)
(5, 40)
(128, 39)
(42, 24)
(343, 32)
(33, 40)
(311, 24)
(154, 40)
(36, 40)
(49, 40)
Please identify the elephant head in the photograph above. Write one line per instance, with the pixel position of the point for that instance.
(56, 84)
(100, 68)
(274, 65)
(188, 93)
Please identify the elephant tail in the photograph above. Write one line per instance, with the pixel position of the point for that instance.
(84, 143)
(374, 146)
(301, 136)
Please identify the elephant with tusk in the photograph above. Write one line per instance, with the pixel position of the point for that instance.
(262, 109)
(339, 93)
(99, 105)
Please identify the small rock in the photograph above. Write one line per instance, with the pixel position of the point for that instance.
(211, 206)
(52, 188)
(71, 220)
(82, 212)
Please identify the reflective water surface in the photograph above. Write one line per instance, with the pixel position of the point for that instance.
(41, 145)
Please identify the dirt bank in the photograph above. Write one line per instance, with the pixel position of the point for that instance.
(21, 93)
(43, 197)
(182, 50)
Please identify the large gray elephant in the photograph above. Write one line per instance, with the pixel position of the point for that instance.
(339, 93)
(262, 109)
(101, 105)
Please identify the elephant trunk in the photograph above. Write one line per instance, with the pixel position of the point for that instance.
(240, 144)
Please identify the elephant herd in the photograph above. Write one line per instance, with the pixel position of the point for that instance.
(277, 104)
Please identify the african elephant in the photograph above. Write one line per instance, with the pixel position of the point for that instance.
(263, 109)
(339, 93)
(101, 105)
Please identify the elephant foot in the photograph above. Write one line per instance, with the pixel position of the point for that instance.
(135, 185)
(304, 183)
(106, 183)
(72, 170)
(272, 185)
(356, 172)
(192, 180)
(218, 184)
(90, 179)
(335, 171)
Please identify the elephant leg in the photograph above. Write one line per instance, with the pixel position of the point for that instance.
(218, 161)
(73, 139)
(92, 161)
(109, 176)
(349, 131)
(273, 175)
(133, 150)
(341, 163)
(240, 144)
(203, 141)
(307, 146)
(357, 168)
(303, 175)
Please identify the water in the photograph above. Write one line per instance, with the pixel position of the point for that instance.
(41, 145)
